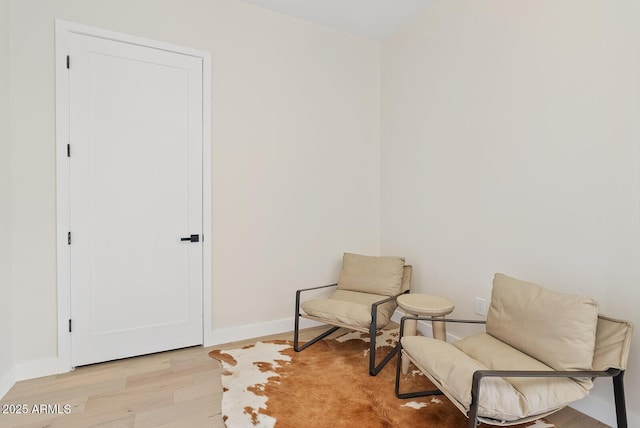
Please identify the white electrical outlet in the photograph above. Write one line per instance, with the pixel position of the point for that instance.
(481, 306)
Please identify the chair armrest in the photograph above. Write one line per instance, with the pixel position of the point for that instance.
(479, 374)
(374, 305)
(315, 288)
(299, 292)
(374, 311)
(423, 318)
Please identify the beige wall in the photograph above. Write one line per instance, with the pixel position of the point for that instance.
(6, 341)
(513, 128)
(296, 152)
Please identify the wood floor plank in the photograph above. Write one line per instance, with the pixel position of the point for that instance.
(61, 393)
(47, 423)
(197, 390)
(198, 412)
(131, 401)
(28, 388)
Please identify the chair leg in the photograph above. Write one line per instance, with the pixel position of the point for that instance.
(618, 392)
(399, 373)
(475, 398)
(296, 330)
(321, 336)
(473, 423)
(399, 369)
(373, 332)
(399, 363)
(373, 369)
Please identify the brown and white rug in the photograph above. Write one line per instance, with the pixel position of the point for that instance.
(327, 385)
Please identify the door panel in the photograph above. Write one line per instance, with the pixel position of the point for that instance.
(136, 189)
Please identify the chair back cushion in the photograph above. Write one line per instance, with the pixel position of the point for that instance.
(375, 275)
(613, 340)
(406, 278)
(557, 329)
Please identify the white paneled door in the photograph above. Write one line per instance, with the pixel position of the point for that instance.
(135, 167)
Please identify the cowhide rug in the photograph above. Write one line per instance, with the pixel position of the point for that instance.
(327, 385)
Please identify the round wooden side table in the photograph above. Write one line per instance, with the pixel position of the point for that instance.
(416, 304)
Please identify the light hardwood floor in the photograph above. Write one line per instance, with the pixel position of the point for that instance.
(179, 389)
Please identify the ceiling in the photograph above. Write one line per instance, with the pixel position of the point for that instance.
(373, 19)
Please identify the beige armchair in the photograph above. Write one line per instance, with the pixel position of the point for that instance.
(541, 351)
(364, 300)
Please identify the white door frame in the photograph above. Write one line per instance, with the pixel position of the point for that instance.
(62, 30)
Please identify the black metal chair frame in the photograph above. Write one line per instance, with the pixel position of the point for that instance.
(373, 368)
(616, 374)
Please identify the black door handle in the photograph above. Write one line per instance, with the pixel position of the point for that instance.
(192, 238)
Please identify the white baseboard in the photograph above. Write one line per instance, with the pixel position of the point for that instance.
(235, 334)
(38, 368)
(31, 370)
(7, 381)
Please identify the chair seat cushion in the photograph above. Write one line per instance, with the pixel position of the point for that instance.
(509, 399)
(351, 308)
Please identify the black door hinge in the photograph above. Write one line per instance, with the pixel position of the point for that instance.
(69, 326)
(69, 238)
(68, 150)
(68, 61)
